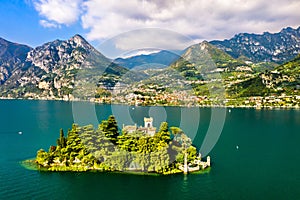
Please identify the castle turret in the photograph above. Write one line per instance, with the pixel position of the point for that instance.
(148, 122)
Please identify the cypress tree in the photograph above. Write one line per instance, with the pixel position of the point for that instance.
(62, 139)
(110, 128)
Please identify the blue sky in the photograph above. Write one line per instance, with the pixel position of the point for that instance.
(34, 22)
(20, 23)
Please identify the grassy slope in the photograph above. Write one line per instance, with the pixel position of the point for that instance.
(255, 86)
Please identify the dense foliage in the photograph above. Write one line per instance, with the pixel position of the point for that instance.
(85, 148)
(283, 79)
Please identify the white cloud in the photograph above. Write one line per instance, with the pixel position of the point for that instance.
(147, 38)
(205, 19)
(64, 12)
(199, 19)
(48, 24)
(140, 52)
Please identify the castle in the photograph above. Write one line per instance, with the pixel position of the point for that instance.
(146, 129)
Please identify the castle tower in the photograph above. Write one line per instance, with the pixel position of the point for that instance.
(148, 122)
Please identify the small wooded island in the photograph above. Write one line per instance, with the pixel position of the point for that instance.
(136, 149)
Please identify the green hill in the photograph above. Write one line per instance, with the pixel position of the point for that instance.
(204, 58)
(283, 79)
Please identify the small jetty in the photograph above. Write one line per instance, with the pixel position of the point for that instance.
(194, 166)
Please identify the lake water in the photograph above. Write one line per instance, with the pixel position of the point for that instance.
(266, 164)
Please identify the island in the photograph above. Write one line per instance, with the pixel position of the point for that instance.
(136, 149)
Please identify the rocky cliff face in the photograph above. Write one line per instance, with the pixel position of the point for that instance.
(12, 56)
(49, 71)
(53, 56)
(278, 47)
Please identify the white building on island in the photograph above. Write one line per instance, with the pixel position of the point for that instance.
(146, 129)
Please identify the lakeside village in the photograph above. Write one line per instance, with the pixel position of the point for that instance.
(184, 99)
(137, 149)
(154, 95)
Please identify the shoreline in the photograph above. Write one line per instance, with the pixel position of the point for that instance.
(30, 164)
(183, 106)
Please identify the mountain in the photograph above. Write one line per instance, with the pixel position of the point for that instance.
(198, 65)
(73, 69)
(205, 58)
(283, 79)
(160, 59)
(12, 56)
(267, 47)
(55, 69)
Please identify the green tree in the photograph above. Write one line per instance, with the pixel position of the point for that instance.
(175, 130)
(61, 141)
(192, 153)
(42, 157)
(110, 128)
(164, 133)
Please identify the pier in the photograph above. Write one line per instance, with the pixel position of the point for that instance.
(196, 165)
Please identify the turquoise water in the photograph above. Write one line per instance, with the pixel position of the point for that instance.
(265, 166)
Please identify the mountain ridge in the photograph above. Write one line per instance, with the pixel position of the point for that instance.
(163, 58)
(50, 70)
(267, 47)
(60, 69)
(205, 58)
